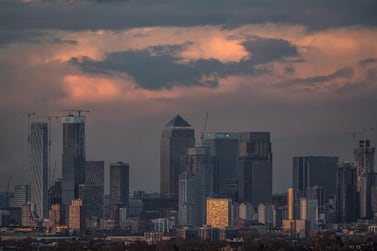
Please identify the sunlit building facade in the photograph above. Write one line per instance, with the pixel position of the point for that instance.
(219, 212)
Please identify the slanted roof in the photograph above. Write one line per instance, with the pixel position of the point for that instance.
(177, 121)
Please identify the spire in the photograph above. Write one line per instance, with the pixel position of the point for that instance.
(178, 121)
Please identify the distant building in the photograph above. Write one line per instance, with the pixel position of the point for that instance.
(54, 215)
(92, 201)
(28, 219)
(119, 188)
(176, 137)
(316, 193)
(315, 171)
(76, 215)
(309, 211)
(92, 191)
(364, 164)
(219, 212)
(247, 212)
(255, 167)
(223, 152)
(189, 200)
(347, 205)
(197, 163)
(265, 214)
(73, 161)
(22, 195)
(39, 168)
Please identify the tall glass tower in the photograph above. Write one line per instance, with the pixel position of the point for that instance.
(73, 166)
(119, 189)
(176, 137)
(39, 168)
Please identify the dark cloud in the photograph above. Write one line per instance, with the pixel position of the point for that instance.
(346, 72)
(367, 61)
(158, 67)
(100, 14)
(266, 50)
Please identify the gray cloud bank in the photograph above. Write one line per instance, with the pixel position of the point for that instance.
(87, 15)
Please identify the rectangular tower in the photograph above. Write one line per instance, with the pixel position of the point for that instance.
(346, 195)
(73, 165)
(176, 137)
(255, 167)
(219, 212)
(315, 171)
(119, 188)
(223, 151)
(39, 168)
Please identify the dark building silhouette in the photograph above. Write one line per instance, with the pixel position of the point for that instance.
(315, 171)
(364, 163)
(346, 195)
(92, 191)
(119, 188)
(73, 165)
(39, 168)
(176, 137)
(223, 154)
(255, 167)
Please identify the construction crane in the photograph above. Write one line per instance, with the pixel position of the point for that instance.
(79, 111)
(204, 128)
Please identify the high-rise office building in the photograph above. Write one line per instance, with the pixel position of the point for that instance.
(119, 188)
(315, 171)
(94, 173)
(92, 191)
(197, 162)
(73, 163)
(176, 137)
(22, 195)
(317, 193)
(363, 160)
(255, 167)
(39, 168)
(223, 152)
(189, 200)
(346, 195)
(219, 212)
(365, 176)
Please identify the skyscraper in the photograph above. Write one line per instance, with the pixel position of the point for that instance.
(223, 151)
(39, 168)
(365, 176)
(189, 201)
(346, 195)
(73, 159)
(197, 162)
(315, 171)
(119, 188)
(363, 160)
(176, 137)
(92, 191)
(255, 167)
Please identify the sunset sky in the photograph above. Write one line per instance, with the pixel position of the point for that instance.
(304, 70)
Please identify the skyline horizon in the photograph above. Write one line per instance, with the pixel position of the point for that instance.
(133, 188)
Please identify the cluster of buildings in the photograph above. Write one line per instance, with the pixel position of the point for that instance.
(208, 188)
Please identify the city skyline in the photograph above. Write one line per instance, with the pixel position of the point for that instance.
(309, 78)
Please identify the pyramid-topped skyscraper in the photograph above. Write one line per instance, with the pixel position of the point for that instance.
(176, 137)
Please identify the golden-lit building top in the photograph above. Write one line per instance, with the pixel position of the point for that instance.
(218, 212)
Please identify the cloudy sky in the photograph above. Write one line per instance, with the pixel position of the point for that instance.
(304, 70)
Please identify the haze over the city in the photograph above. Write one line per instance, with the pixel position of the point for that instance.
(304, 71)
